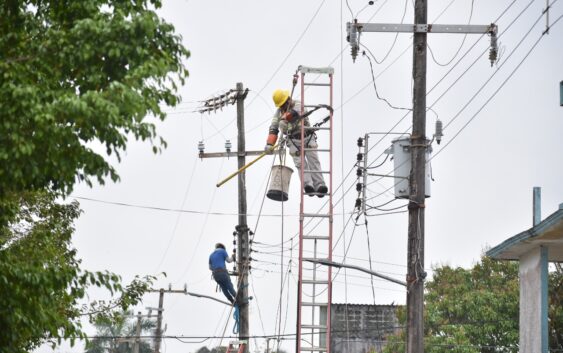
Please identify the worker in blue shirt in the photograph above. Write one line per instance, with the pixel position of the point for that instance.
(219, 269)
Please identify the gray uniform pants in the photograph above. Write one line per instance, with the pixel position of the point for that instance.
(311, 160)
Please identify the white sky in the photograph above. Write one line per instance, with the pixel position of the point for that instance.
(482, 193)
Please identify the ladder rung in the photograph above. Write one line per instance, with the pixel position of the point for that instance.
(314, 327)
(314, 349)
(314, 281)
(320, 237)
(316, 84)
(313, 304)
(316, 128)
(316, 171)
(317, 149)
(316, 215)
(316, 70)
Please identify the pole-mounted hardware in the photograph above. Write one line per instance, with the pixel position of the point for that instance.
(355, 29)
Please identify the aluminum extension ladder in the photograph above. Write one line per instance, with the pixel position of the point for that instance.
(315, 231)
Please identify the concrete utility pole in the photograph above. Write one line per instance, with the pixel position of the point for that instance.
(418, 146)
(161, 291)
(243, 244)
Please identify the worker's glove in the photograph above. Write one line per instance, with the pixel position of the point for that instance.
(268, 148)
(290, 115)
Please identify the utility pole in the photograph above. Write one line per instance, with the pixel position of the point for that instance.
(161, 291)
(242, 232)
(243, 247)
(415, 252)
(137, 333)
(418, 146)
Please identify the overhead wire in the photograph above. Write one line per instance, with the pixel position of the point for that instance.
(172, 236)
(460, 46)
(283, 61)
(190, 261)
(495, 72)
(395, 39)
(499, 88)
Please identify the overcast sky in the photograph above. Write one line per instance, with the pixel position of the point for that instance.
(492, 154)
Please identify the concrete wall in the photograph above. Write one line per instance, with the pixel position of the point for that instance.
(361, 328)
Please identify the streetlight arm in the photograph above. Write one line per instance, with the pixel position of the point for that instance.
(339, 265)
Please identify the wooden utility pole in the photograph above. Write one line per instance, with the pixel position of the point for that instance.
(419, 146)
(161, 291)
(243, 244)
(243, 248)
(415, 256)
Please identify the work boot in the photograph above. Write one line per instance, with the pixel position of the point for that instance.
(322, 190)
(309, 190)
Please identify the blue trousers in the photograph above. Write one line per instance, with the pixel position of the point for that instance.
(224, 281)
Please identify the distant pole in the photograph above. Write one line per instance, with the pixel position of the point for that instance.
(415, 272)
(537, 206)
(137, 334)
(161, 291)
(242, 230)
(159, 321)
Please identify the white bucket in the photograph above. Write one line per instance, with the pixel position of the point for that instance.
(279, 183)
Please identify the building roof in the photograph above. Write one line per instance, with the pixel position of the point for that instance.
(548, 233)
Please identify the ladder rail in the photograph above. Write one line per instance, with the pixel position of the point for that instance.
(319, 341)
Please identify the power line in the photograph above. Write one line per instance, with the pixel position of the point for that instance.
(281, 64)
(460, 46)
(499, 88)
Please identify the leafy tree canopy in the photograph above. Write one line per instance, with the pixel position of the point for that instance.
(477, 310)
(73, 75)
(41, 279)
(78, 73)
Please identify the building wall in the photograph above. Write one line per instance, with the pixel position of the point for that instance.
(533, 301)
(361, 328)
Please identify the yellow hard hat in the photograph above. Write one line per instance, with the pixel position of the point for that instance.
(280, 96)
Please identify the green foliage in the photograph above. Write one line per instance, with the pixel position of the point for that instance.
(78, 74)
(116, 335)
(477, 310)
(74, 76)
(41, 279)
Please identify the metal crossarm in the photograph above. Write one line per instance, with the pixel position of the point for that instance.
(315, 284)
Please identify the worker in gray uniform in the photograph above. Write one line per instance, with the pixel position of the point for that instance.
(287, 120)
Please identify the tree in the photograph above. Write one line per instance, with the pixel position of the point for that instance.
(110, 334)
(75, 74)
(42, 281)
(477, 310)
